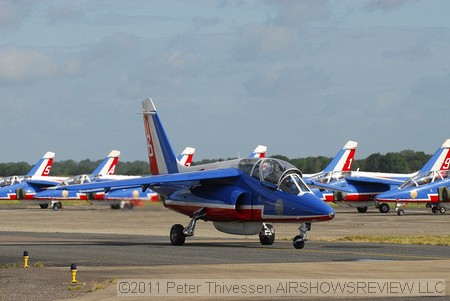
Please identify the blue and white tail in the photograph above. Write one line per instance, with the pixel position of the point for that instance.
(161, 156)
(186, 156)
(259, 152)
(344, 158)
(108, 165)
(440, 160)
(43, 166)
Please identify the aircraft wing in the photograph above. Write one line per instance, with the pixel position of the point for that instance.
(177, 180)
(328, 186)
(375, 180)
(42, 183)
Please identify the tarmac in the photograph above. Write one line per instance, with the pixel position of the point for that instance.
(118, 245)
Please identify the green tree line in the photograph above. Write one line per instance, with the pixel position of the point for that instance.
(406, 161)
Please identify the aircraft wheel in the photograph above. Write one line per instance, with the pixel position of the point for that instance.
(267, 240)
(177, 236)
(298, 242)
(384, 208)
(442, 210)
(128, 206)
(434, 210)
(362, 209)
(115, 206)
(43, 206)
(400, 212)
(57, 206)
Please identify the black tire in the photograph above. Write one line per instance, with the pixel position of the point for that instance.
(442, 210)
(267, 240)
(57, 206)
(384, 208)
(362, 209)
(128, 206)
(43, 206)
(115, 207)
(177, 237)
(298, 242)
(401, 212)
(434, 210)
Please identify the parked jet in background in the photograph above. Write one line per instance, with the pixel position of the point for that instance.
(359, 189)
(338, 169)
(239, 196)
(128, 197)
(40, 169)
(186, 156)
(259, 152)
(431, 188)
(44, 197)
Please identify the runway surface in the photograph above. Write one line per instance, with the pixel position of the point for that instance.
(60, 249)
(119, 244)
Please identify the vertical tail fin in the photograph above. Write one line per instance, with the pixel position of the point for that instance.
(108, 165)
(186, 156)
(161, 156)
(259, 152)
(43, 166)
(440, 160)
(344, 158)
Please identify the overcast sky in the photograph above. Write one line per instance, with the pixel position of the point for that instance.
(301, 77)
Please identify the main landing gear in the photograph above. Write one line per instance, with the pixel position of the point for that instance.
(384, 208)
(54, 205)
(436, 208)
(299, 240)
(267, 235)
(178, 233)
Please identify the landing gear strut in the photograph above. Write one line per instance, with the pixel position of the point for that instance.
(267, 234)
(178, 233)
(299, 240)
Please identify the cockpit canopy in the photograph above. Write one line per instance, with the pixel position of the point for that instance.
(81, 179)
(281, 174)
(10, 181)
(426, 178)
(332, 176)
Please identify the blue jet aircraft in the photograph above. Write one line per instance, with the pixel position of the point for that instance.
(44, 196)
(40, 169)
(430, 188)
(360, 188)
(241, 196)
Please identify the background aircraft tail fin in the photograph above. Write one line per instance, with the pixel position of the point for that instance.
(43, 166)
(259, 152)
(344, 158)
(440, 160)
(161, 156)
(108, 165)
(186, 156)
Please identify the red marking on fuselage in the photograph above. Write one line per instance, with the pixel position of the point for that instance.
(242, 215)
